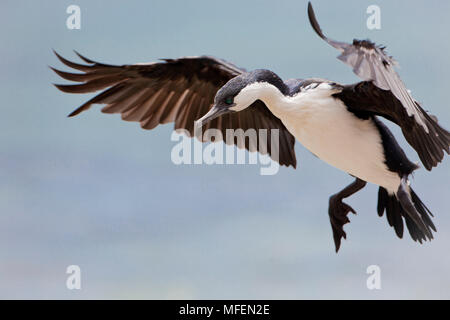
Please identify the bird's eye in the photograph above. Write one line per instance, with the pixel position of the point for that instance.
(228, 101)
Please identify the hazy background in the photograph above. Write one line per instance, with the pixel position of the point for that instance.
(103, 194)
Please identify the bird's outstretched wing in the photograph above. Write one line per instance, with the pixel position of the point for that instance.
(383, 93)
(174, 90)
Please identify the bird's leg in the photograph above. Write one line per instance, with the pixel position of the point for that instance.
(338, 210)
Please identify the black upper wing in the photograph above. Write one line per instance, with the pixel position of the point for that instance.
(383, 93)
(365, 99)
(175, 90)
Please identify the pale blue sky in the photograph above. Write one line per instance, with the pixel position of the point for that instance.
(103, 194)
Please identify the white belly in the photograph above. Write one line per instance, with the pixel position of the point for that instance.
(328, 130)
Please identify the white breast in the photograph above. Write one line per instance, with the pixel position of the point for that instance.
(325, 127)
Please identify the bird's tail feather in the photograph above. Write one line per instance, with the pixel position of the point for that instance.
(406, 206)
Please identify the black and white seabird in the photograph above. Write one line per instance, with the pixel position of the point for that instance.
(337, 123)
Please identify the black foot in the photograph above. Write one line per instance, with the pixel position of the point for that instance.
(338, 211)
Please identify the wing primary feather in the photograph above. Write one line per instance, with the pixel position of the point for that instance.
(71, 64)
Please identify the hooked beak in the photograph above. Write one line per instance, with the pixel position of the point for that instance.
(212, 114)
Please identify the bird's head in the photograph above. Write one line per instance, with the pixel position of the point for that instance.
(241, 92)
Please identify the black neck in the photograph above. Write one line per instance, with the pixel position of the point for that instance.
(263, 75)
